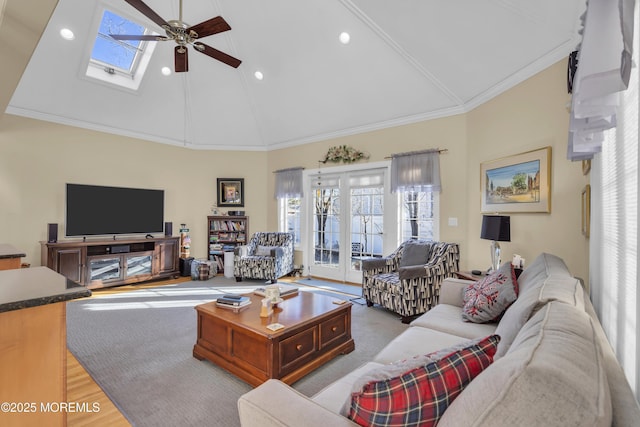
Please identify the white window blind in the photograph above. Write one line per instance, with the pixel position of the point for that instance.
(614, 232)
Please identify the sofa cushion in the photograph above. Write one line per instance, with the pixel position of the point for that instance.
(399, 367)
(420, 396)
(553, 375)
(448, 318)
(334, 396)
(486, 299)
(416, 341)
(264, 250)
(415, 254)
(561, 288)
(542, 267)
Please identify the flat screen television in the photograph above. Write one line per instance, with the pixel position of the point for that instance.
(99, 210)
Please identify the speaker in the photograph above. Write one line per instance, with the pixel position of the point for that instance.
(52, 233)
(168, 229)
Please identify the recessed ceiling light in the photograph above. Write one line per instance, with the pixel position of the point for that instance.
(345, 38)
(67, 34)
(166, 71)
(258, 75)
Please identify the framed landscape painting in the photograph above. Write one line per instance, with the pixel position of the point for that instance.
(519, 183)
(231, 192)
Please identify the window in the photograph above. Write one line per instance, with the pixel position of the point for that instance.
(120, 62)
(419, 215)
(120, 55)
(613, 245)
(290, 217)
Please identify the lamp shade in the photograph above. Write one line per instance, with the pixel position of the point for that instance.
(496, 227)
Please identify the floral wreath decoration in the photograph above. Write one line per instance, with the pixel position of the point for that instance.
(344, 153)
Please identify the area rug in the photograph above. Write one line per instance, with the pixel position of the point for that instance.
(138, 347)
(345, 288)
(354, 291)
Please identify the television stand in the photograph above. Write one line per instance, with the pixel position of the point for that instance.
(110, 262)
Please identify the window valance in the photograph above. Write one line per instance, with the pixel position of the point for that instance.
(604, 67)
(416, 171)
(289, 183)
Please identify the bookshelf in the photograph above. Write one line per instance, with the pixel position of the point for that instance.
(225, 233)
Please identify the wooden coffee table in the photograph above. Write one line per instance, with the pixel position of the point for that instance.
(316, 331)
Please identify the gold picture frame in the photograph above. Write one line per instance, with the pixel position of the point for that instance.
(518, 183)
(585, 223)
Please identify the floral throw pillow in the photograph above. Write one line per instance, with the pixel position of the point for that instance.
(487, 299)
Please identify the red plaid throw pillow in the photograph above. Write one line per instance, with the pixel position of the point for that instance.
(420, 397)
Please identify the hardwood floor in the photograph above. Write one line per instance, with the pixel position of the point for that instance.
(82, 388)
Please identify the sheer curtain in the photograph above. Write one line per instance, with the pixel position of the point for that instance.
(416, 171)
(614, 232)
(289, 183)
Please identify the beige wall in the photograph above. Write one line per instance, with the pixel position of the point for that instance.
(530, 116)
(37, 158)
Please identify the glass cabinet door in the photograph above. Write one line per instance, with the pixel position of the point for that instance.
(105, 268)
(139, 265)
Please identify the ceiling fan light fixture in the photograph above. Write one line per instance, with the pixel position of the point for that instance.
(166, 71)
(183, 34)
(344, 37)
(67, 34)
(258, 75)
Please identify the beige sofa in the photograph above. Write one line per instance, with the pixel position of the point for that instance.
(553, 366)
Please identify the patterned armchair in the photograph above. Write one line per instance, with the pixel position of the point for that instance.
(268, 255)
(404, 287)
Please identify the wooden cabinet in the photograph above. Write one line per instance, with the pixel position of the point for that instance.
(102, 263)
(166, 256)
(225, 233)
(68, 261)
(10, 257)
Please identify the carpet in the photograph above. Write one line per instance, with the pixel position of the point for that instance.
(354, 291)
(138, 347)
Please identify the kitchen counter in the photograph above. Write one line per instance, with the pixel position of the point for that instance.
(10, 257)
(33, 345)
(32, 287)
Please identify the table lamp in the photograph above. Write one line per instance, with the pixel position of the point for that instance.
(496, 228)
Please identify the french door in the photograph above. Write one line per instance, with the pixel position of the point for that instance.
(346, 218)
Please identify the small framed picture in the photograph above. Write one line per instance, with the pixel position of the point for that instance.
(586, 210)
(231, 192)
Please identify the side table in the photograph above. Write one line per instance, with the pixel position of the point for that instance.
(467, 275)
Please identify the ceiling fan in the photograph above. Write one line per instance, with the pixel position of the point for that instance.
(183, 35)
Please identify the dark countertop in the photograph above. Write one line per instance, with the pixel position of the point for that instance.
(31, 287)
(8, 251)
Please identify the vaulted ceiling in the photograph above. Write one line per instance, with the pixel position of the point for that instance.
(407, 61)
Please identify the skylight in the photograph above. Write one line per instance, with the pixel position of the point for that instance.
(116, 53)
(120, 62)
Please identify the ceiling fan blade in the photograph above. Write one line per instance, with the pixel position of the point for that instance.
(136, 37)
(216, 54)
(148, 12)
(181, 59)
(212, 26)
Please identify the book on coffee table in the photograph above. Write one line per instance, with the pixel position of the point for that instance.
(233, 301)
(285, 290)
